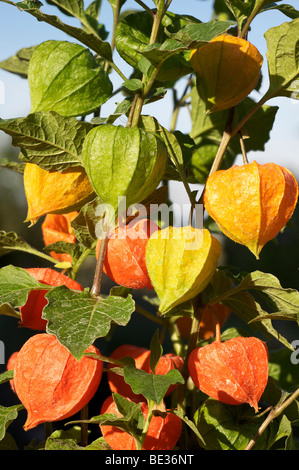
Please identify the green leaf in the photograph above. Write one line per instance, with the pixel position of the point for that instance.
(229, 427)
(195, 34)
(241, 10)
(210, 127)
(7, 415)
(281, 299)
(85, 224)
(191, 425)
(15, 166)
(151, 386)
(282, 56)
(156, 350)
(131, 419)
(73, 249)
(134, 84)
(6, 376)
(69, 7)
(283, 439)
(77, 318)
(49, 140)
(283, 367)
(69, 81)
(207, 133)
(91, 40)
(174, 150)
(287, 10)
(123, 162)
(246, 306)
(8, 443)
(10, 241)
(62, 444)
(19, 62)
(15, 286)
(114, 3)
(133, 38)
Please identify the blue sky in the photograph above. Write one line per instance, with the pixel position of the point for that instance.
(19, 29)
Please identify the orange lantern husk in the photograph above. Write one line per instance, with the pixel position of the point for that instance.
(51, 384)
(31, 312)
(251, 203)
(54, 192)
(227, 69)
(233, 372)
(57, 227)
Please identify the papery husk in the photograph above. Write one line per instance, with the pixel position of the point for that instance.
(233, 372)
(31, 312)
(181, 261)
(54, 192)
(251, 203)
(57, 227)
(212, 315)
(51, 384)
(125, 255)
(228, 69)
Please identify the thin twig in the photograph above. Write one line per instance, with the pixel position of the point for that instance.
(276, 411)
(96, 286)
(243, 149)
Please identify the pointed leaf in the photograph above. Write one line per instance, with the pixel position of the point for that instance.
(91, 40)
(243, 304)
(195, 34)
(156, 350)
(6, 376)
(85, 224)
(15, 286)
(48, 139)
(10, 241)
(77, 319)
(19, 62)
(7, 415)
(151, 386)
(229, 427)
(288, 10)
(69, 81)
(282, 55)
(286, 300)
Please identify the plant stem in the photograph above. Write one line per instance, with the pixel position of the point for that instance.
(276, 411)
(148, 315)
(250, 18)
(116, 12)
(243, 149)
(150, 404)
(145, 7)
(181, 395)
(80, 261)
(226, 136)
(96, 287)
(84, 426)
(138, 104)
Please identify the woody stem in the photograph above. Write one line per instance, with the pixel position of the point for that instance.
(217, 326)
(276, 411)
(181, 395)
(96, 287)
